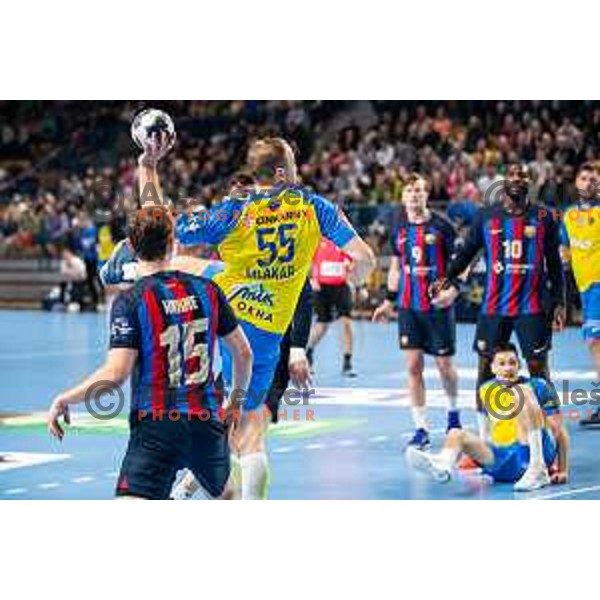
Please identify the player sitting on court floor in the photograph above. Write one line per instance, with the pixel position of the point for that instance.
(527, 433)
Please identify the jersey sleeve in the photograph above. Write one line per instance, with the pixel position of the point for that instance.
(332, 221)
(208, 226)
(546, 395)
(124, 323)
(227, 319)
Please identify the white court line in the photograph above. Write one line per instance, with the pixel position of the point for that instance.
(379, 438)
(346, 443)
(51, 353)
(112, 474)
(15, 491)
(573, 492)
(411, 433)
(316, 446)
(84, 479)
(471, 373)
(282, 450)
(49, 486)
(382, 397)
(18, 460)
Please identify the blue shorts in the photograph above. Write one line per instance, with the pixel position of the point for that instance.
(590, 301)
(510, 462)
(158, 448)
(433, 332)
(265, 347)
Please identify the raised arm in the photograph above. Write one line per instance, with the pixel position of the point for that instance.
(148, 181)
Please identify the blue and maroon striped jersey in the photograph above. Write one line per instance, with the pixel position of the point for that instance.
(173, 319)
(521, 255)
(424, 251)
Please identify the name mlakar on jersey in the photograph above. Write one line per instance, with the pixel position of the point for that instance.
(180, 305)
(275, 273)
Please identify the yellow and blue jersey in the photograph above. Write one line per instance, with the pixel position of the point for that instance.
(496, 398)
(511, 458)
(267, 244)
(580, 232)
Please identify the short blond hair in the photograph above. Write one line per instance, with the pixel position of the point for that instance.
(267, 155)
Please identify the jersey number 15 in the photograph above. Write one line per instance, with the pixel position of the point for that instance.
(179, 353)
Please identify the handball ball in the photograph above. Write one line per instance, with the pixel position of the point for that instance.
(151, 122)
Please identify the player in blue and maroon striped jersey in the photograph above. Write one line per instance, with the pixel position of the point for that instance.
(163, 332)
(423, 243)
(520, 242)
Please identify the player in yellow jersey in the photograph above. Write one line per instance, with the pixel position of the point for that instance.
(267, 242)
(527, 434)
(580, 236)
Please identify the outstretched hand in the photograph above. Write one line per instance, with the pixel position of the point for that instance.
(157, 147)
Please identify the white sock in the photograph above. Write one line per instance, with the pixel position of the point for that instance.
(235, 477)
(448, 457)
(536, 453)
(255, 476)
(452, 402)
(420, 417)
(484, 426)
(186, 488)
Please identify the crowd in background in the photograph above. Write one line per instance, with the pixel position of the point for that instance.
(67, 168)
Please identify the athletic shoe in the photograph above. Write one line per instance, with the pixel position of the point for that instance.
(593, 419)
(420, 440)
(453, 420)
(349, 372)
(533, 479)
(428, 463)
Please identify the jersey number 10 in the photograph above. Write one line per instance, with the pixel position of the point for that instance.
(513, 248)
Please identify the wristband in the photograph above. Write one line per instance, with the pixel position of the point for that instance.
(296, 354)
(391, 296)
